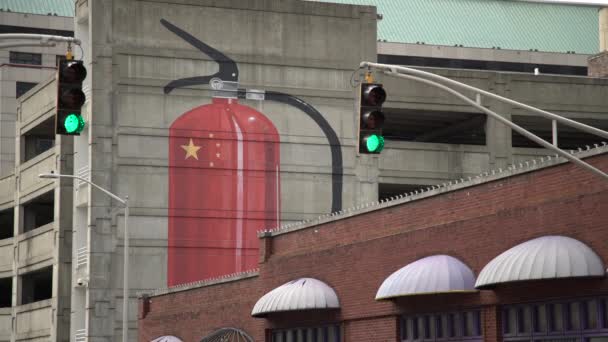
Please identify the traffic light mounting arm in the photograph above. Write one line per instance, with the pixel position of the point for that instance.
(43, 40)
(408, 73)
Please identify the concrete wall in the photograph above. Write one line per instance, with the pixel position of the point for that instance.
(479, 54)
(306, 49)
(598, 65)
(281, 46)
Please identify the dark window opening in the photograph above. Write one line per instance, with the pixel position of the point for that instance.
(6, 292)
(330, 333)
(386, 191)
(39, 139)
(23, 87)
(21, 29)
(567, 137)
(482, 65)
(454, 326)
(7, 222)
(25, 58)
(434, 126)
(572, 319)
(39, 212)
(37, 285)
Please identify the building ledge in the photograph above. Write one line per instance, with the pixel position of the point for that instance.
(202, 283)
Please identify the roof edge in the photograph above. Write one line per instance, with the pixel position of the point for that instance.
(453, 185)
(201, 283)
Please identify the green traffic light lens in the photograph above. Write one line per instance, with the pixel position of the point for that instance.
(73, 123)
(374, 143)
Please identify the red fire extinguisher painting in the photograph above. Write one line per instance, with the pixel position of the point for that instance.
(224, 187)
(224, 177)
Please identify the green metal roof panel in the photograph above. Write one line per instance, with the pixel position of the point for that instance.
(63, 8)
(506, 24)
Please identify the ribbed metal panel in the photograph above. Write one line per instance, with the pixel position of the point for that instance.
(62, 8)
(228, 335)
(433, 274)
(299, 294)
(546, 257)
(506, 24)
(166, 339)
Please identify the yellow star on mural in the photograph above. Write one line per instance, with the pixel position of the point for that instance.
(191, 150)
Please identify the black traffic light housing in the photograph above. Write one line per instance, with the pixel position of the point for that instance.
(371, 118)
(70, 97)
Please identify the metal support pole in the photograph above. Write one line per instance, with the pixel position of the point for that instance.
(125, 286)
(554, 132)
(125, 290)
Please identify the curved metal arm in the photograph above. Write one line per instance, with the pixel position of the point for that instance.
(514, 126)
(58, 175)
(41, 37)
(425, 74)
(18, 44)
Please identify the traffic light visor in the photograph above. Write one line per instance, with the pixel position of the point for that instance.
(72, 98)
(372, 119)
(73, 72)
(373, 95)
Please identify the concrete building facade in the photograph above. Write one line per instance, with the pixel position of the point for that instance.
(303, 55)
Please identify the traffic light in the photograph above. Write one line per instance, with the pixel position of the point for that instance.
(371, 118)
(70, 97)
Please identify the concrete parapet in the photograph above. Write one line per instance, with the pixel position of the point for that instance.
(598, 65)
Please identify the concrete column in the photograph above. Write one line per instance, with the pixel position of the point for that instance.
(603, 14)
(367, 173)
(498, 135)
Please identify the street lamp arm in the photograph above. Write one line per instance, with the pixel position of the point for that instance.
(124, 202)
(57, 175)
(125, 286)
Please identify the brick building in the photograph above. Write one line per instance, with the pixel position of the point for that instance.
(554, 212)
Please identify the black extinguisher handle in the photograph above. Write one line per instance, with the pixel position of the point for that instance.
(229, 72)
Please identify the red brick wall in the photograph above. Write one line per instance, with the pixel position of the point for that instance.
(191, 315)
(356, 254)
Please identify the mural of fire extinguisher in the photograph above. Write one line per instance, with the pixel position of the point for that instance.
(224, 180)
